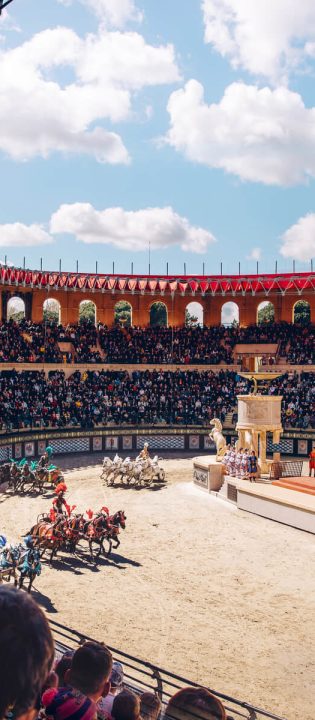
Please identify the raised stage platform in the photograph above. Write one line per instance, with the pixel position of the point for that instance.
(301, 484)
(288, 505)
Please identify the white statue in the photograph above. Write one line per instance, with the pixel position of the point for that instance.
(218, 438)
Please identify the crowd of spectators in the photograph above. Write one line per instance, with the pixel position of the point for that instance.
(85, 684)
(85, 343)
(30, 399)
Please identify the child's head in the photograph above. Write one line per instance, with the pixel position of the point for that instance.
(26, 653)
(195, 702)
(90, 669)
(150, 706)
(126, 706)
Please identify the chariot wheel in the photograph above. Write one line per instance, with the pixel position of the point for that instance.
(161, 475)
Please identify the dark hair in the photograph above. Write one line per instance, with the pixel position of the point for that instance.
(63, 665)
(197, 701)
(126, 706)
(91, 666)
(26, 651)
(150, 706)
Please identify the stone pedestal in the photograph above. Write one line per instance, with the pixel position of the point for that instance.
(257, 415)
(208, 473)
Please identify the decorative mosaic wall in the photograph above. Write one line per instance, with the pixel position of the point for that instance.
(65, 445)
(162, 442)
(5, 453)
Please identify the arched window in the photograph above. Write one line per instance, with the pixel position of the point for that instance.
(194, 315)
(123, 313)
(265, 312)
(230, 314)
(158, 314)
(16, 309)
(52, 311)
(87, 312)
(302, 312)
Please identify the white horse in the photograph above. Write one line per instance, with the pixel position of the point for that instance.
(218, 438)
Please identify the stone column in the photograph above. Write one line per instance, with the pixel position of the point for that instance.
(263, 451)
(276, 441)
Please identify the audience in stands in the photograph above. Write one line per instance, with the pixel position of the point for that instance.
(157, 397)
(40, 342)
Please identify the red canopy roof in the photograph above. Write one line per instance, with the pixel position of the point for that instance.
(296, 283)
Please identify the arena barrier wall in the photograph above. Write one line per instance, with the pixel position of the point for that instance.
(142, 676)
(128, 440)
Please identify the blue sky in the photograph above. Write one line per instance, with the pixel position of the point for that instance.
(186, 123)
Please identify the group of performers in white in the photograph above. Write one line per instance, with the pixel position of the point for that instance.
(241, 463)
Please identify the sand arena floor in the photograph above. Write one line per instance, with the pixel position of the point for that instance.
(218, 595)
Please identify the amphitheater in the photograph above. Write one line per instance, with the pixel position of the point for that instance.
(199, 588)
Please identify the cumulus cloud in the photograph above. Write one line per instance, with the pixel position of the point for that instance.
(261, 135)
(40, 114)
(266, 37)
(298, 242)
(255, 254)
(130, 230)
(20, 235)
(113, 13)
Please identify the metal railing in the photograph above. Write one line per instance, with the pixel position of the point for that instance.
(142, 676)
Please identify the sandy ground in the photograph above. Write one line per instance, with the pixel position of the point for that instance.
(221, 596)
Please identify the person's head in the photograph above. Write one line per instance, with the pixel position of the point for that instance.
(126, 706)
(192, 703)
(26, 653)
(90, 670)
(62, 666)
(150, 706)
(116, 676)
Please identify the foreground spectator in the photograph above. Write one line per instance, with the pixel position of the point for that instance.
(195, 703)
(87, 681)
(150, 706)
(104, 706)
(26, 654)
(126, 706)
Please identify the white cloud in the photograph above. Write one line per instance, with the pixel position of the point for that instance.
(261, 135)
(20, 235)
(113, 13)
(130, 230)
(266, 37)
(40, 114)
(298, 242)
(255, 254)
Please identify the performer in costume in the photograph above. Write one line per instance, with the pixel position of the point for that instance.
(232, 461)
(252, 466)
(312, 462)
(238, 462)
(244, 464)
(60, 506)
(45, 458)
(144, 455)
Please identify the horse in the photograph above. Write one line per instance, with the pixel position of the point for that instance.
(8, 564)
(50, 536)
(29, 565)
(95, 531)
(118, 520)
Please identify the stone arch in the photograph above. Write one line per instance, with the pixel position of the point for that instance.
(123, 313)
(194, 314)
(301, 312)
(230, 313)
(87, 312)
(158, 314)
(265, 312)
(52, 311)
(16, 309)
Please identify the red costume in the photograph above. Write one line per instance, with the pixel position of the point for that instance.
(60, 506)
(312, 461)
